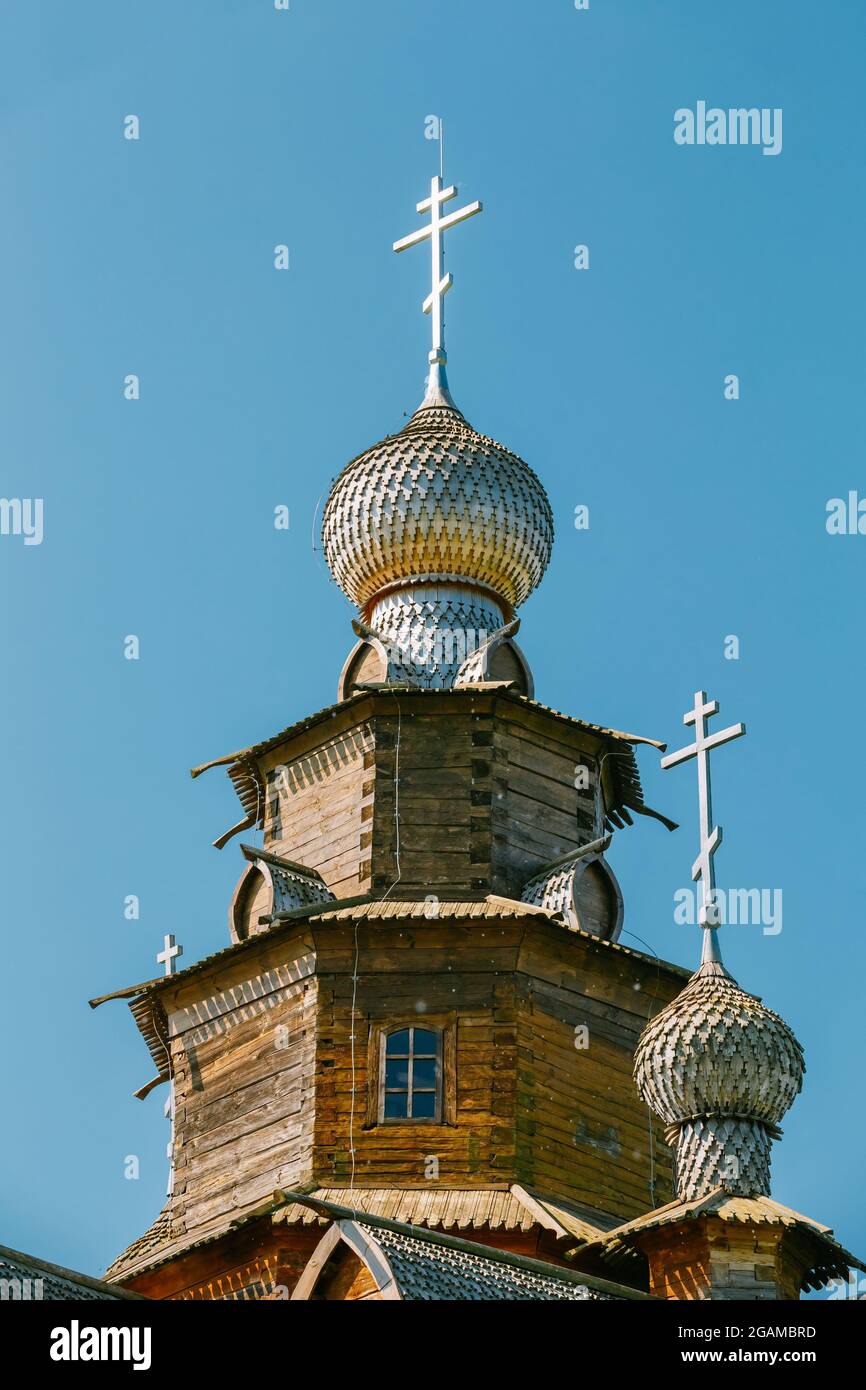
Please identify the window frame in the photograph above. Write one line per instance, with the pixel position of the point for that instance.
(445, 1027)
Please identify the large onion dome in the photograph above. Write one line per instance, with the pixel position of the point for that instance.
(720, 1069)
(437, 533)
(437, 502)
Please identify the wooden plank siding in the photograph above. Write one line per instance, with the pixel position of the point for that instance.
(440, 796)
(530, 1106)
(539, 813)
(270, 1082)
(257, 1262)
(319, 805)
(243, 1054)
(485, 798)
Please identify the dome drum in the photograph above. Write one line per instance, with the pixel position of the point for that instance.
(430, 630)
(727, 1151)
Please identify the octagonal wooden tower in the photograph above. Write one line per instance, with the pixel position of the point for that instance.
(424, 1012)
(422, 1034)
(424, 874)
(277, 1047)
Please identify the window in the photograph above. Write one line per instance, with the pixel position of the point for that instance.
(412, 1071)
(411, 1075)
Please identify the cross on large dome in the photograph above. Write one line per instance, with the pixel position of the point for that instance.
(437, 533)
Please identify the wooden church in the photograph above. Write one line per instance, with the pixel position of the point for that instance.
(424, 1066)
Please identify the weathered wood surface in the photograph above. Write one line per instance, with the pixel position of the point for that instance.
(472, 795)
(262, 1050)
(317, 794)
(528, 1102)
(716, 1260)
(257, 1261)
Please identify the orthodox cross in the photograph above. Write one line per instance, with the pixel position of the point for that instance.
(435, 230)
(168, 954)
(711, 835)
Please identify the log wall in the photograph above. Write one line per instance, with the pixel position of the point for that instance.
(438, 794)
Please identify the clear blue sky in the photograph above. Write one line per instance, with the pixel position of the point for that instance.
(707, 516)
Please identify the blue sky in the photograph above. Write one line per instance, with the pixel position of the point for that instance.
(707, 516)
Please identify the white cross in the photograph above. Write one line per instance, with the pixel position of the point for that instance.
(711, 835)
(168, 954)
(435, 230)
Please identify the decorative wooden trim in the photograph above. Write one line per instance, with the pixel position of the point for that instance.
(350, 1234)
(303, 1290)
(541, 1214)
(449, 1072)
(251, 872)
(373, 1050)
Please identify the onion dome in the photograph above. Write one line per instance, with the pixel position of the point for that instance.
(720, 1069)
(437, 533)
(437, 502)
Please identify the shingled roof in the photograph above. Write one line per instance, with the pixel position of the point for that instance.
(413, 1264)
(504, 1209)
(429, 1270)
(513, 1208)
(491, 907)
(24, 1278)
(827, 1258)
(147, 1250)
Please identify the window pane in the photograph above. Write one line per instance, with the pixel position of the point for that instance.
(423, 1105)
(397, 1043)
(424, 1073)
(425, 1043)
(396, 1074)
(396, 1105)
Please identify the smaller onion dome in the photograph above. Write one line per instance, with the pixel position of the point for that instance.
(717, 1049)
(721, 1070)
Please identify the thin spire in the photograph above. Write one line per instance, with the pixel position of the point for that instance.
(711, 953)
(440, 282)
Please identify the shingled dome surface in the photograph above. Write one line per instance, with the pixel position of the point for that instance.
(437, 501)
(718, 1050)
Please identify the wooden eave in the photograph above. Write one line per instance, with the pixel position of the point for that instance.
(252, 852)
(148, 1008)
(351, 910)
(623, 790)
(508, 1208)
(827, 1258)
(284, 1208)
